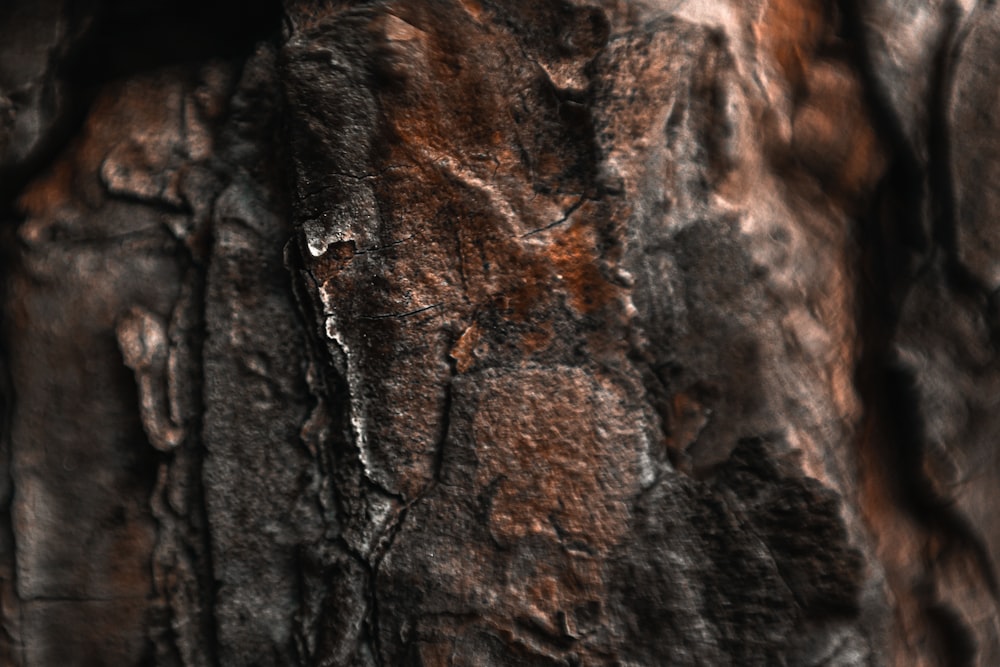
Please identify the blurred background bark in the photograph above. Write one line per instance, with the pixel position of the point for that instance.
(480, 332)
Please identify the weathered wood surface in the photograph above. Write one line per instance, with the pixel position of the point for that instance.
(467, 332)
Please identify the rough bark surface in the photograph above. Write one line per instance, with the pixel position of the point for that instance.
(469, 332)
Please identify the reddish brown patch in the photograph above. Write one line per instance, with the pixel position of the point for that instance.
(791, 30)
(574, 254)
(129, 548)
(474, 8)
(540, 442)
(687, 419)
(135, 122)
(538, 338)
(464, 351)
(899, 541)
(833, 135)
(441, 98)
(71, 174)
(556, 590)
(49, 192)
(333, 261)
(436, 654)
(529, 285)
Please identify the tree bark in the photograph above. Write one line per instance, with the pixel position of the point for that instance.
(466, 332)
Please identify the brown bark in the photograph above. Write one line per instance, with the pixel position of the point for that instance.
(462, 332)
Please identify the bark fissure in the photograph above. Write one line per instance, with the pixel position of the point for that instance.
(468, 332)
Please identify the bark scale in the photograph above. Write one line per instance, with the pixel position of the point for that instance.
(461, 332)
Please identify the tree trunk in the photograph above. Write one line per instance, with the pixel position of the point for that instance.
(467, 332)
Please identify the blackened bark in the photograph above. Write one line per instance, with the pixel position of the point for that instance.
(498, 333)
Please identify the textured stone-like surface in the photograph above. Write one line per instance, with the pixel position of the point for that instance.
(255, 392)
(557, 240)
(467, 332)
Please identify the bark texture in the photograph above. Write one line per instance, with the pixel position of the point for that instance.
(481, 332)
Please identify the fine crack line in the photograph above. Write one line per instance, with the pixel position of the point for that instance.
(154, 233)
(83, 598)
(570, 211)
(388, 537)
(386, 316)
(739, 514)
(308, 194)
(387, 246)
(384, 546)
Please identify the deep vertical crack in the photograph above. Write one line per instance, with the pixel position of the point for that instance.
(199, 451)
(7, 400)
(939, 511)
(896, 256)
(944, 224)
